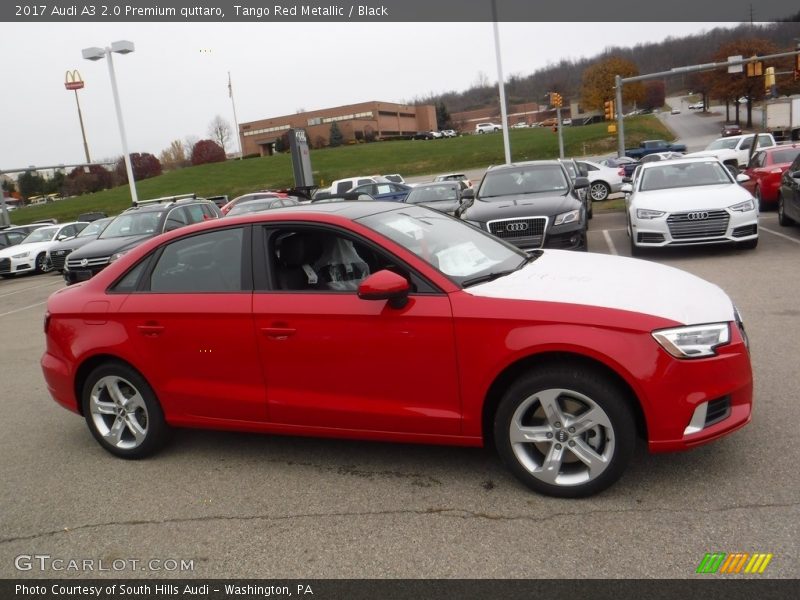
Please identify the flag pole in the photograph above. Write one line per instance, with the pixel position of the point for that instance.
(235, 120)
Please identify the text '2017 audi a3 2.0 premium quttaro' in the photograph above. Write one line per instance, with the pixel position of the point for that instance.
(381, 321)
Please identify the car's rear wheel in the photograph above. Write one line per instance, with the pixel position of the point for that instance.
(122, 411)
(783, 220)
(565, 431)
(599, 190)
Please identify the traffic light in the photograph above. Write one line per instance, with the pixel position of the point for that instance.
(556, 100)
(755, 68)
(608, 110)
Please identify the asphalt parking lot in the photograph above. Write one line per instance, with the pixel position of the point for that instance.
(253, 506)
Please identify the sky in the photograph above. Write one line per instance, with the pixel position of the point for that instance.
(176, 81)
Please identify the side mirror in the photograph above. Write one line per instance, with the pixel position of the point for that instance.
(626, 188)
(796, 175)
(741, 178)
(385, 285)
(61, 237)
(468, 194)
(581, 182)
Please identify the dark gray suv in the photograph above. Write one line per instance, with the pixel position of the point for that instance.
(530, 204)
(137, 224)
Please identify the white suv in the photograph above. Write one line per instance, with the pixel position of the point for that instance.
(487, 128)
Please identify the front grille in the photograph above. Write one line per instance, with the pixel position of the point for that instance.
(745, 230)
(75, 263)
(649, 238)
(698, 224)
(525, 231)
(5, 265)
(718, 410)
(58, 258)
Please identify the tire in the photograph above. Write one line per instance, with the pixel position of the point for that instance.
(783, 220)
(599, 191)
(42, 266)
(635, 250)
(574, 418)
(759, 201)
(122, 411)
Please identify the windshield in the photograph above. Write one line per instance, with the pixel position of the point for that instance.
(137, 223)
(531, 179)
(254, 206)
(434, 193)
(668, 176)
(94, 228)
(458, 250)
(45, 234)
(723, 144)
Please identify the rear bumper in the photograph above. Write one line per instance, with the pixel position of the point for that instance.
(59, 381)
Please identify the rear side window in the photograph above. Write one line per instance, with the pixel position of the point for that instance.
(208, 262)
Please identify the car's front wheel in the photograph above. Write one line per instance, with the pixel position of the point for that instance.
(42, 264)
(599, 191)
(122, 411)
(565, 431)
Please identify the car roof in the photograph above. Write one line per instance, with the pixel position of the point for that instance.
(680, 161)
(528, 163)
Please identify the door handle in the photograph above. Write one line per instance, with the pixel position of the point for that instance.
(278, 333)
(150, 329)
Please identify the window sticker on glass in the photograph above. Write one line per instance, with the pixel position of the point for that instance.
(463, 259)
(407, 227)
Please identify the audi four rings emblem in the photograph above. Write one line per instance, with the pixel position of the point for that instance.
(516, 227)
(697, 216)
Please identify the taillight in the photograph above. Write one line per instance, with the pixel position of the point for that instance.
(621, 172)
(46, 321)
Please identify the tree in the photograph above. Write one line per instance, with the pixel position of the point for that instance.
(207, 151)
(144, 166)
(336, 138)
(731, 86)
(599, 81)
(30, 184)
(442, 116)
(174, 157)
(654, 94)
(219, 130)
(88, 179)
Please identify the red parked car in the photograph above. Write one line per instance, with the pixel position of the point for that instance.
(383, 321)
(765, 171)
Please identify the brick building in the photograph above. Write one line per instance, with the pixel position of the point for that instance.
(364, 121)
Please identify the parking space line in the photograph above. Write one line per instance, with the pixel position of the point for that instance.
(33, 287)
(611, 246)
(16, 310)
(779, 234)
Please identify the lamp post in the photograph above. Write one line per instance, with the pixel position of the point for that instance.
(94, 53)
(73, 82)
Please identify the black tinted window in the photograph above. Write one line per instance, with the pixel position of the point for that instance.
(209, 262)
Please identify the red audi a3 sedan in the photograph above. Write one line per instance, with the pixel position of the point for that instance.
(382, 321)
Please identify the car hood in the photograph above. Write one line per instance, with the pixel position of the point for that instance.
(73, 244)
(29, 247)
(527, 205)
(693, 198)
(446, 206)
(613, 282)
(722, 153)
(107, 247)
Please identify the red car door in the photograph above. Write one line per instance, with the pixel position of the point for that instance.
(193, 329)
(333, 360)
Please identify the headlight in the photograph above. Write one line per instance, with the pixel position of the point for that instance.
(568, 217)
(116, 256)
(21, 255)
(694, 341)
(744, 206)
(645, 213)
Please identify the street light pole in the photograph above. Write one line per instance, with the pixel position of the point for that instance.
(83, 131)
(74, 82)
(121, 47)
(501, 84)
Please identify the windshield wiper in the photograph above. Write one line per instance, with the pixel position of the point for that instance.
(497, 274)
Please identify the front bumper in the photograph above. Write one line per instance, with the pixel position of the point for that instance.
(11, 266)
(673, 229)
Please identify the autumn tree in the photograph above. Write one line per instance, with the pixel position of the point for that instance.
(144, 166)
(731, 86)
(599, 81)
(88, 179)
(207, 151)
(654, 94)
(219, 130)
(174, 157)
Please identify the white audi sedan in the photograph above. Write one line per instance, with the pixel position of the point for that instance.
(687, 202)
(30, 255)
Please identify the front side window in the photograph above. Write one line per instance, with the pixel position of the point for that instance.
(208, 262)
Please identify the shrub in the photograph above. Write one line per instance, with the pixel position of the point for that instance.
(207, 151)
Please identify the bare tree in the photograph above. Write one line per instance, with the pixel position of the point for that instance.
(174, 157)
(189, 141)
(220, 131)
